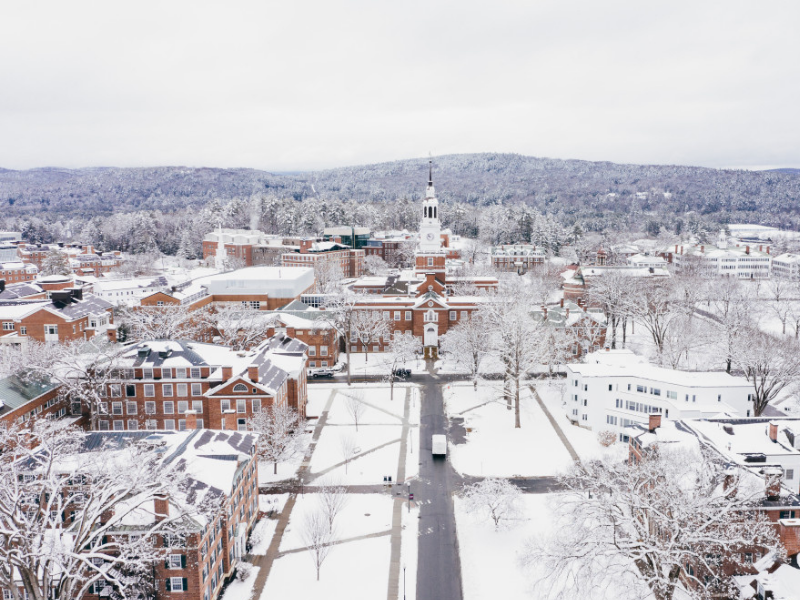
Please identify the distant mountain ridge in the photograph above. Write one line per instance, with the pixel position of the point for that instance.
(575, 187)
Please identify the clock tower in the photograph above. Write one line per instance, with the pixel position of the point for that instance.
(430, 255)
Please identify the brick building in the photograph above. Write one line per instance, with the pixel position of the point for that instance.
(319, 254)
(161, 381)
(83, 259)
(318, 334)
(584, 330)
(68, 315)
(200, 551)
(577, 280)
(16, 272)
(24, 398)
(240, 244)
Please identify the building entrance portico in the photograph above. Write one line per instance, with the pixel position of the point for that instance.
(431, 336)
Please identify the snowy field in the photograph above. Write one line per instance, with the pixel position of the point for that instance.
(375, 363)
(494, 446)
(357, 569)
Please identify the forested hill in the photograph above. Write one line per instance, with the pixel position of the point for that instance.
(579, 188)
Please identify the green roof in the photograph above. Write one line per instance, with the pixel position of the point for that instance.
(16, 390)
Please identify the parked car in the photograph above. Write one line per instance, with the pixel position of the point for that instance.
(401, 374)
(320, 373)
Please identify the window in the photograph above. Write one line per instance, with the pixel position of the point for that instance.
(23, 330)
(672, 395)
(130, 390)
(719, 397)
(430, 261)
(176, 584)
(323, 351)
(166, 373)
(169, 424)
(224, 404)
(312, 364)
(789, 473)
(252, 304)
(397, 315)
(183, 390)
(453, 315)
(119, 425)
(241, 425)
(116, 390)
(133, 424)
(147, 373)
(130, 408)
(312, 350)
(197, 389)
(195, 373)
(655, 391)
(256, 403)
(180, 373)
(610, 387)
(183, 406)
(166, 390)
(159, 303)
(149, 390)
(241, 405)
(103, 425)
(175, 561)
(8, 326)
(51, 329)
(197, 406)
(240, 387)
(151, 424)
(169, 407)
(408, 315)
(181, 424)
(116, 408)
(641, 389)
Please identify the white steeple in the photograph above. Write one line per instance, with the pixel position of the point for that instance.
(430, 226)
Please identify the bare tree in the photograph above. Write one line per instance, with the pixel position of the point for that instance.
(780, 300)
(237, 327)
(467, 343)
(652, 302)
(355, 406)
(657, 523)
(498, 499)
(769, 363)
(369, 326)
(608, 293)
(332, 499)
(516, 340)
(61, 503)
(731, 304)
(340, 310)
(279, 429)
(168, 322)
(347, 444)
(317, 537)
(403, 347)
(375, 265)
(328, 276)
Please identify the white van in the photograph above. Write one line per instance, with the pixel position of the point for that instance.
(439, 445)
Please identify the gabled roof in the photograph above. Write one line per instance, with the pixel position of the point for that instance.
(423, 300)
(17, 391)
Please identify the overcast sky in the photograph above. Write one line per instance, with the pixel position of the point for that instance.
(307, 84)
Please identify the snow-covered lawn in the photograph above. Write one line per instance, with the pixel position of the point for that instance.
(494, 446)
(375, 363)
(354, 570)
(241, 590)
(264, 529)
(489, 558)
(373, 459)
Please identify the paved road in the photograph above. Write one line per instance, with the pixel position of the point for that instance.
(438, 567)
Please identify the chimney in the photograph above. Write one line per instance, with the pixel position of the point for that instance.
(676, 248)
(747, 249)
(252, 373)
(227, 373)
(702, 249)
(305, 246)
(760, 248)
(654, 422)
(544, 313)
(562, 303)
(566, 313)
(191, 420)
(773, 477)
(161, 507)
(767, 249)
(772, 431)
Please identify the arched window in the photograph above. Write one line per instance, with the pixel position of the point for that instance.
(240, 387)
(425, 211)
(434, 212)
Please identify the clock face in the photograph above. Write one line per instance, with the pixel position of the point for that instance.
(430, 237)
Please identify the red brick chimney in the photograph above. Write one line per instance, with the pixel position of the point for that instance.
(767, 249)
(747, 249)
(702, 249)
(227, 373)
(772, 431)
(729, 483)
(161, 507)
(544, 313)
(566, 313)
(654, 422)
(252, 373)
(191, 420)
(562, 303)
(305, 246)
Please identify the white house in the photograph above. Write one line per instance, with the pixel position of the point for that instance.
(615, 389)
(645, 260)
(786, 266)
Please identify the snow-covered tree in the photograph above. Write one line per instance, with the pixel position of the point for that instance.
(328, 276)
(375, 265)
(168, 322)
(238, 327)
(340, 310)
(769, 363)
(653, 303)
(317, 536)
(731, 305)
(403, 348)
(57, 533)
(369, 327)
(661, 523)
(467, 344)
(56, 263)
(279, 430)
(495, 498)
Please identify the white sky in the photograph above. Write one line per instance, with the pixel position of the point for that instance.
(305, 84)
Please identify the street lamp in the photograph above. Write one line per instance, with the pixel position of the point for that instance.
(404, 581)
